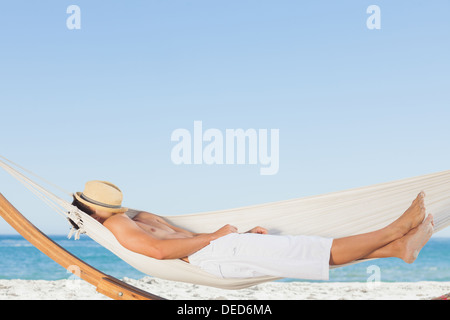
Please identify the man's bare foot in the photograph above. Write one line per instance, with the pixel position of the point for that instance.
(410, 245)
(412, 217)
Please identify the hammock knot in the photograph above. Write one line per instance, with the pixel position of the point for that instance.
(76, 232)
(77, 224)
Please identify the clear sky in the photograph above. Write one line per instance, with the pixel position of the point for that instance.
(353, 106)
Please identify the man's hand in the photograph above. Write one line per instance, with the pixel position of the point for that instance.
(225, 230)
(259, 230)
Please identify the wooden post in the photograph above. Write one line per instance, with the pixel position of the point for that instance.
(105, 284)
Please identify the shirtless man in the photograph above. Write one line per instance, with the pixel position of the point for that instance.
(153, 236)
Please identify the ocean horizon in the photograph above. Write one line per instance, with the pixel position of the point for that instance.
(19, 259)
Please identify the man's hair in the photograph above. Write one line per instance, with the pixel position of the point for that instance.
(86, 209)
(83, 207)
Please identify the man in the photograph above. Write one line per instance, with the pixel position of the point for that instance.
(229, 254)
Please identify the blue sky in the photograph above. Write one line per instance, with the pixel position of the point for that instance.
(354, 106)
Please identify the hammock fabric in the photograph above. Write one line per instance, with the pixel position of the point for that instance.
(332, 215)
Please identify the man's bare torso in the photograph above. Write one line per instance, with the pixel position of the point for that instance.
(154, 226)
(158, 228)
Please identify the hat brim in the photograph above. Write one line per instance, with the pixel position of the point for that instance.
(78, 197)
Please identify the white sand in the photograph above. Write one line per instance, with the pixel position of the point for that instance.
(80, 290)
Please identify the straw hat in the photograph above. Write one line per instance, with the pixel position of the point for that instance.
(102, 195)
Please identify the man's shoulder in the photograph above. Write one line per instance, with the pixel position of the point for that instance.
(117, 219)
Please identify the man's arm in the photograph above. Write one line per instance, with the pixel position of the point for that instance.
(160, 219)
(132, 237)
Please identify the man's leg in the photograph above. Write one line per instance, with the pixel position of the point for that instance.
(408, 247)
(348, 249)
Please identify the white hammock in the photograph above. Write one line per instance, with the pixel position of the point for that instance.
(332, 215)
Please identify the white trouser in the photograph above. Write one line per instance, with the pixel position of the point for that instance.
(252, 255)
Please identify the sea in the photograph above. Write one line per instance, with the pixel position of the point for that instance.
(20, 260)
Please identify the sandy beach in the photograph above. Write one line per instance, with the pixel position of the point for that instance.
(80, 290)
